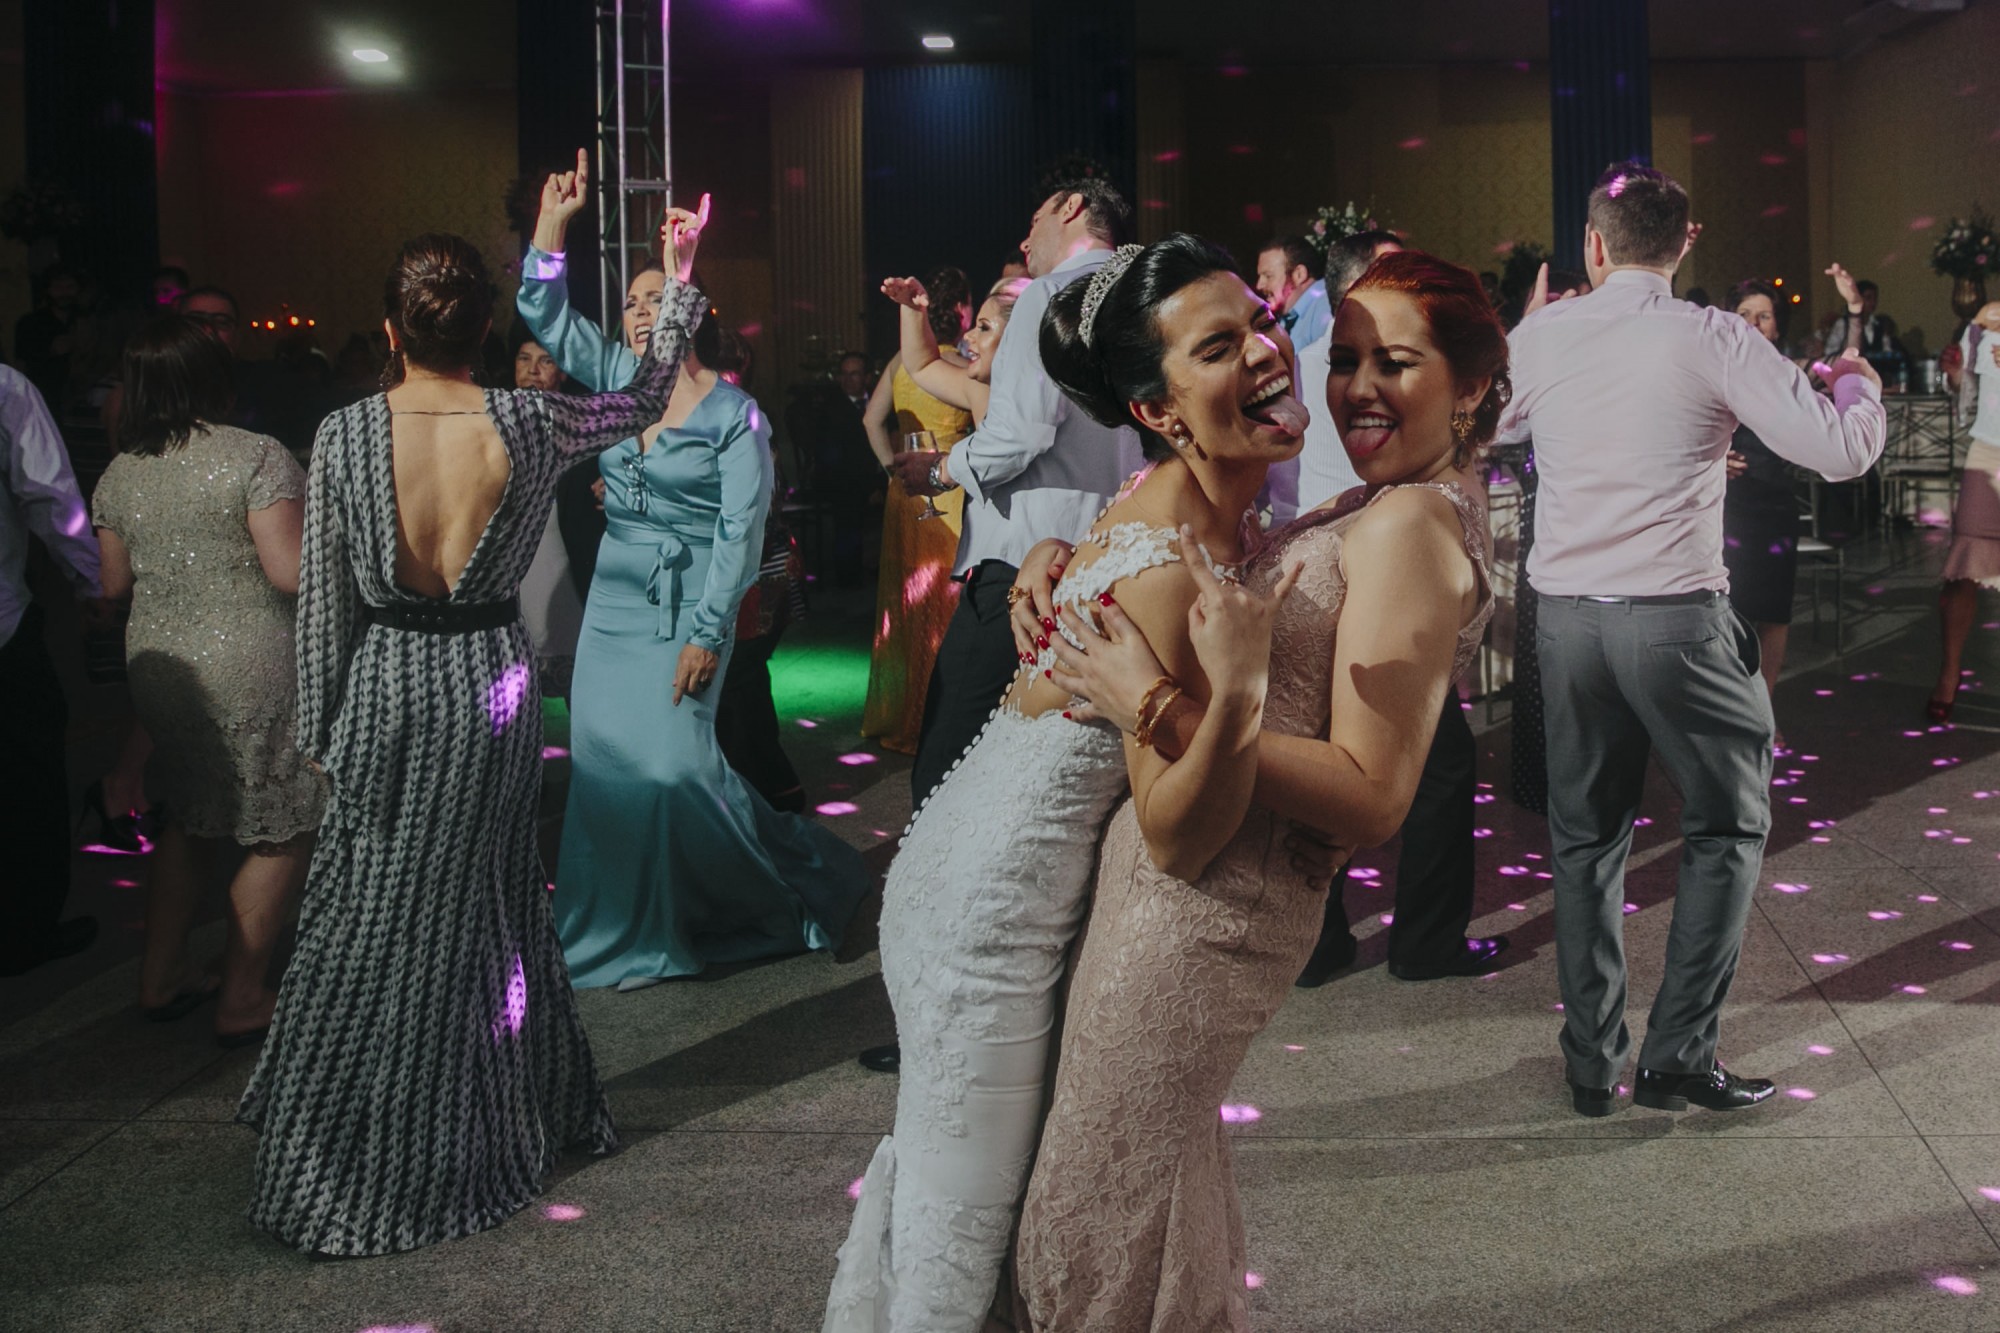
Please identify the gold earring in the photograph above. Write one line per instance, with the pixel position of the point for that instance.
(1461, 426)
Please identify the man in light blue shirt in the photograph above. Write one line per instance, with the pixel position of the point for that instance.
(39, 499)
(1288, 277)
(1036, 468)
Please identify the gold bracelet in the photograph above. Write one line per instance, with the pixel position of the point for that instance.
(1145, 702)
(1145, 741)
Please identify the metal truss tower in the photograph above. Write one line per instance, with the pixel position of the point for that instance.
(634, 145)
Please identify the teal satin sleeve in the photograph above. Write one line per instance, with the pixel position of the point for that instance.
(596, 362)
(743, 460)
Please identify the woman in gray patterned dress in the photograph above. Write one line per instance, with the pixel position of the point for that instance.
(200, 524)
(427, 1062)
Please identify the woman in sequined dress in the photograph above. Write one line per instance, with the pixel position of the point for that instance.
(200, 524)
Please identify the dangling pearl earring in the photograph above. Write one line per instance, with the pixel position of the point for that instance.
(1182, 437)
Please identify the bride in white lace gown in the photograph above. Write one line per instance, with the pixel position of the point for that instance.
(987, 891)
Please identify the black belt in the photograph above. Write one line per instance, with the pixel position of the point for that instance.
(445, 617)
(1701, 598)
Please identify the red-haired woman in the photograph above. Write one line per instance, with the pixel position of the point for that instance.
(1131, 1220)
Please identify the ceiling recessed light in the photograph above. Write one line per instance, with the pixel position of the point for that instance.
(937, 41)
(368, 55)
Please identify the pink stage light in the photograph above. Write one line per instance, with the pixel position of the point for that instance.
(554, 752)
(836, 808)
(1240, 1114)
(1957, 1286)
(515, 1010)
(562, 1212)
(1802, 1094)
(1915, 990)
(1990, 1192)
(1817, 1049)
(854, 1187)
(1253, 1280)
(857, 759)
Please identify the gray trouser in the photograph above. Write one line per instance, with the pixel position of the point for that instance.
(1620, 680)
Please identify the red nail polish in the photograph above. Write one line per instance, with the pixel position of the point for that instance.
(1066, 714)
(1047, 623)
(1104, 599)
(1041, 643)
(1050, 674)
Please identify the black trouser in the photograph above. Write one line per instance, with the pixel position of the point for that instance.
(746, 725)
(975, 665)
(34, 791)
(1434, 871)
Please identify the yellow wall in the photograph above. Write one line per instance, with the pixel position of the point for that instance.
(1915, 123)
(305, 199)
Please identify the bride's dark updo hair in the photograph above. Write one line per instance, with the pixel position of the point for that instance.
(1121, 363)
(440, 303)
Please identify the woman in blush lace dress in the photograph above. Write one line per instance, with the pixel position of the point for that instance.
(1197, 929)
(987, 892)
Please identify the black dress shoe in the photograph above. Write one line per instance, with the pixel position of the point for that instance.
(1334, 953)
(1475, 961)
(883, 1059)
(69, 937)
(1592, 1101)
(1718, 1090)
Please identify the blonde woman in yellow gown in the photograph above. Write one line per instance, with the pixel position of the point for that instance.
(930, 387)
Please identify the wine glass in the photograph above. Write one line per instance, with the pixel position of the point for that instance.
(925, 442)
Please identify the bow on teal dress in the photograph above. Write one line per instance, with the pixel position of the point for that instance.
(670, 860)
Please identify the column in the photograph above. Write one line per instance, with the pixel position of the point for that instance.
(556, 100)
(1085, 67)
(1600, 104)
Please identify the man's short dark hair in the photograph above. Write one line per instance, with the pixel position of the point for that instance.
(845, 357)
(1298, 253)
(1348, 258)
(209, 289)
(1864, 286)
(172, 271)
(1107, 213)
(1642, 214)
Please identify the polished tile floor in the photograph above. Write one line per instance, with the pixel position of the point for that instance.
(1408, 1160)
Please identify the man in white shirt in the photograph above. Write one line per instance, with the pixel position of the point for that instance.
(1036, 468)
(1631, 397)
(38, 498)
(1321, 471)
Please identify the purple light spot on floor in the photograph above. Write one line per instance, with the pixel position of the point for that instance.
(856, 759)
(1824, 694)
(1817, 1049)
(1364, 872)
(1482, 833)
(1240, 1113)
(1545, 874)
(880, 832)
(400, 1328)
(102, 849)
(854, 1187)
(1990, 1192)
(1795, 800)
(1927, 897)
(1815, 823)
(1803, 1094)
(1642, 822)
(1957, 1286)
(124, 883)
(1517, 907)
(1820, 839)
(1253, 1280)
(1829, 958)
(562, 1212)
(1958, 946)
(1290, 1047)
(1885, 916)
(1933, 833)
(1631, 908)
(1915, 990)
(1484, 798)
(504, 696)
(1532, 856)
(1981, 795)
(1513, 870)
(1937, 810)
(1388, 918)
(554, 752)
(1557, 1006)
(1945, 762)
(1792, 888)
(807, 723)
(836, 808)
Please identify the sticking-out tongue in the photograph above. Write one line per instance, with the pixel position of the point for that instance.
(1285, 412)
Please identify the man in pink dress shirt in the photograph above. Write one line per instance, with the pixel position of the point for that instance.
(1631, 397)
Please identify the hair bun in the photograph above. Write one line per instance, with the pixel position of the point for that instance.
(440, 301)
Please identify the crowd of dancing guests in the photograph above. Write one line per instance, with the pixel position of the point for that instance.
(1177, 577)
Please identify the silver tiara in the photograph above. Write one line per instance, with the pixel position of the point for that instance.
(1101, 283)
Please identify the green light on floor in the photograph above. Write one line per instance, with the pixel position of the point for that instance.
(824, 681)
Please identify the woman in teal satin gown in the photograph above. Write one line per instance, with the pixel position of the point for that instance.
(670, 861)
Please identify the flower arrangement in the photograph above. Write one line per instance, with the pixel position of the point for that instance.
(37, 210)
(1333, 223)
(1968, 248)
